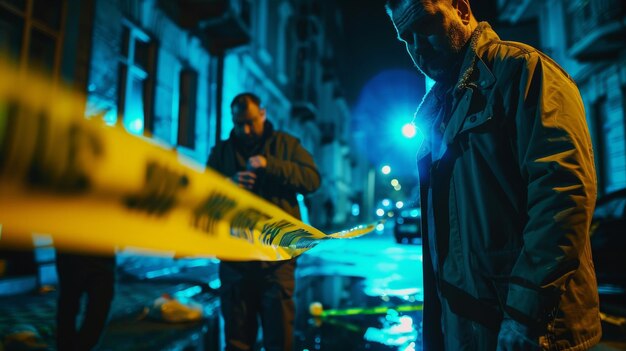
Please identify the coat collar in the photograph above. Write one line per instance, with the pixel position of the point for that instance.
(475, 72)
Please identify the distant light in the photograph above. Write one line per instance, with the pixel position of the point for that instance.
(408, 130)
(136, 126)
(390, 214)
(215, 284)
(399, 204)
(394, 182)
(398, 187)
(189, 292)
(380, 212)
(414, 213)
(356, 209)
(386, 202)
(380, 227)
(386, 169)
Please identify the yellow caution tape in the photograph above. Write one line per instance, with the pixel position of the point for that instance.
(95, 187)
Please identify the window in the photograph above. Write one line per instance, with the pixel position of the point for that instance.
(137, 70)
(187, 108)
(31, 33)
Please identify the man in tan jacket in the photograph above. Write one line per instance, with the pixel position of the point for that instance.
(507, 186)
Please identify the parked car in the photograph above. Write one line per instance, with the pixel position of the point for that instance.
(407, 228)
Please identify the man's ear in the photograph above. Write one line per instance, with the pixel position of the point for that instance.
(263, 116)
(463, 9)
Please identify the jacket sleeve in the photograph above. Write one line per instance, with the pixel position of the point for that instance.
(299, 173)
(555, 157)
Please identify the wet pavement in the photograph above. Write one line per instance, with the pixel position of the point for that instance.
(358, 294)
(357, 282)
(130, 326)
(369, 290)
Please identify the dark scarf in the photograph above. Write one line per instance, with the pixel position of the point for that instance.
(246, 150)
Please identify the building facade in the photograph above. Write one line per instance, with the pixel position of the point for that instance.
(585, 37)
(167, 70)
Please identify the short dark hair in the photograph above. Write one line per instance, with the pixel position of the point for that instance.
(393, 4)
(243, 99)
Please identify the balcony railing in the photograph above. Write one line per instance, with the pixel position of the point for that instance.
(222, 24)
(596, 28)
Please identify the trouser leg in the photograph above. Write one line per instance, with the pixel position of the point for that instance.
(68, 304)
(99, 297)
(278, 309)
(239, 300)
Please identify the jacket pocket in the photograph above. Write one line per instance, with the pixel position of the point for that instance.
(493, 270)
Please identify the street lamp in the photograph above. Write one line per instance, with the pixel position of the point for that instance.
(408, 130)
(386, 169)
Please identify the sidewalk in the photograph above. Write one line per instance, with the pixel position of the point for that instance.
(127, 330)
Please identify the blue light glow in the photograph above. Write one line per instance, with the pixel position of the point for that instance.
(409, 131)
(135, 126)
(356, 209)
(385, 106)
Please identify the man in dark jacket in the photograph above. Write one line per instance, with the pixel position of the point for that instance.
(275, 166)
(507, 188)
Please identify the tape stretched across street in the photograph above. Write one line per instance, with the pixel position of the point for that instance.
(95, 187)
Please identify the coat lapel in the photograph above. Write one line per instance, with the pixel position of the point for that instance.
(471, 90)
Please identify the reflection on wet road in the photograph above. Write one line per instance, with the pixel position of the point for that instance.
(360, 294)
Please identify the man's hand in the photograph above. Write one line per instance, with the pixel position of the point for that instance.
(515, 336)
(245, 179)
(256, 162)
